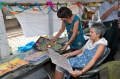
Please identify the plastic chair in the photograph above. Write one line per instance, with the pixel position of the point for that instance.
(94, 71)
(113, 69)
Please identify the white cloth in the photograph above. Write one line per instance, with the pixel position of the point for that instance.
(35, 23)
(90, 45)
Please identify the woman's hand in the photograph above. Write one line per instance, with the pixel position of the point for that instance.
(75, 73)
(64, 48)
(65, 55)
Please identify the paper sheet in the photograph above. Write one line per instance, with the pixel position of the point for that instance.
(59, 60)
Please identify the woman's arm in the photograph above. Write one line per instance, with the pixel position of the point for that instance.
(75, 31)
(95, 58)
(60, 31)
(73, 53)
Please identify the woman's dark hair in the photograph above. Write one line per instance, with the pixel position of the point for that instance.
(100, 28)
(64, 12)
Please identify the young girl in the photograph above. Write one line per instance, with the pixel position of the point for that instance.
(74, 29)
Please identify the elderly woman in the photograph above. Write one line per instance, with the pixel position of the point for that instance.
(88, 55)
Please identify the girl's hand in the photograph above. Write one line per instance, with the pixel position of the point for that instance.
(75, 73)
(65, 47)
(53, 39)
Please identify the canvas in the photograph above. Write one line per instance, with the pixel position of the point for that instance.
(42, 44)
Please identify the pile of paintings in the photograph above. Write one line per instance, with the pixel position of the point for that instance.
(35, 56)
(11, 65)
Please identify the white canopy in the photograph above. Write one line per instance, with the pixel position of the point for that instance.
(44, 1)
(51, 22)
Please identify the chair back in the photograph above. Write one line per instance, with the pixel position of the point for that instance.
(102, 58)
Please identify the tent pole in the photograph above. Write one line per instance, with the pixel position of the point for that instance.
(4, 47)
(50, 24)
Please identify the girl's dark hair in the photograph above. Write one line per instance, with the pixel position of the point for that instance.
(64, 12)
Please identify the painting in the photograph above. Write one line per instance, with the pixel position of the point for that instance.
(42, 44)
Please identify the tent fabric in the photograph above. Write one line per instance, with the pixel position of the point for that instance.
(35, 23)
(44, 1)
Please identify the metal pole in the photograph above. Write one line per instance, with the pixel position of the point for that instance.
(50, 24)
